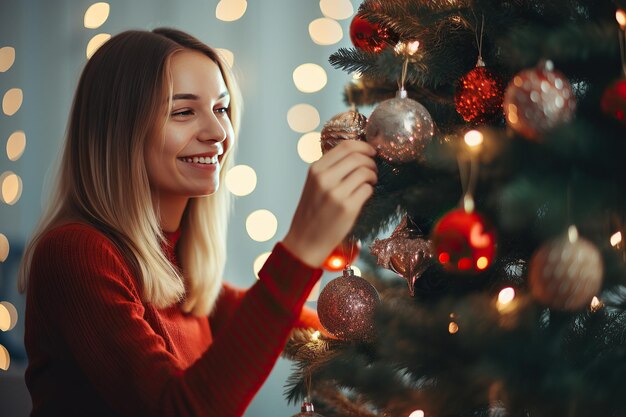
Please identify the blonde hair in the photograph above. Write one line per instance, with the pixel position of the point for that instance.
(102, 179)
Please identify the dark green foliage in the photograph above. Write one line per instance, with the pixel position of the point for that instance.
(530, 360)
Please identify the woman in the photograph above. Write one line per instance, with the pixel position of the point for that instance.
(126, 311)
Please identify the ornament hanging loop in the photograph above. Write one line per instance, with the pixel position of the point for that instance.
(408, 49)
(348, 272)
(479, 40)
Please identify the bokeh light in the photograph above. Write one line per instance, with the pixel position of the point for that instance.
(228, 56)
(453, 327)
(473, 138)
(620, 16)
(259, 262)
(325, 31)
(11, 185)
(95, 43)
(303, 118)
(230, 10)
(241, 180)
(16, 145)
(7, 58)
(315, 292)
(96, 15)
(309, 147)
(616, 238)
(8, 316)
(506, 295)
(4, 248)
(5, 359)
(309, 78)
(261, 225)
(12, 101)
(417, 413)
(337, 9)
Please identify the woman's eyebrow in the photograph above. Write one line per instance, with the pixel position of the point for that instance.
(190, 96)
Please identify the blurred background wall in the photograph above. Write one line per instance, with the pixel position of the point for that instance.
(43, 47)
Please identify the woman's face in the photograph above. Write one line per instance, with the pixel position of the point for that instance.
(183, 159)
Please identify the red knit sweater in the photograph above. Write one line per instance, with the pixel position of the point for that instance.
(95, 349)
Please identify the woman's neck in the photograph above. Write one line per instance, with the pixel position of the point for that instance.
(171, 209)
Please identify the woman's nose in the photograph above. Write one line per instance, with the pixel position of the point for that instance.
(212, 129)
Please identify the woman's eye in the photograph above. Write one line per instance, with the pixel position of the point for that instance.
(182, 113)
(222, 110)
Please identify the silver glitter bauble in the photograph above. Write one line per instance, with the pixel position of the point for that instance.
(538, 100)
(307, 410)
(400, 129)
(566, 273)
(349, 125)
(346, 307)
(405, 252)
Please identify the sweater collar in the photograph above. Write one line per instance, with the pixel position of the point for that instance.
(172, 237)
(169, 245)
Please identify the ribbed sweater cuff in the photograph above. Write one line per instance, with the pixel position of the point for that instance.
(288, 279)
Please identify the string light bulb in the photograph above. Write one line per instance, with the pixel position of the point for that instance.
(620, 16)
(453, 327)
(595, 305)
(616, 239)
(506, 300)
(506, 295)
(474, 138)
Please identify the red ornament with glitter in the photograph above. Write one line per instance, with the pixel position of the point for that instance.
(614, 101)
(370, 37)
(342, 255)
(346, 307)
(464, 242)
(479, 95)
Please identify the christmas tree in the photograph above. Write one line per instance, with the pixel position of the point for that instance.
(500, 128)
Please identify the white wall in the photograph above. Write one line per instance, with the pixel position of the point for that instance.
(269, 42)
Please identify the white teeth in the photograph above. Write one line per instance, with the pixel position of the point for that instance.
(202, 160)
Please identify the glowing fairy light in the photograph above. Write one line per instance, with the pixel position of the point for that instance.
(453, 327)
(506, 296)
(620, 16)
(595, 305)
(473, 138)
(506, 300)
(616, 239)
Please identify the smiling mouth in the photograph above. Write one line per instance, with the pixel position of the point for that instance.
(201, 160)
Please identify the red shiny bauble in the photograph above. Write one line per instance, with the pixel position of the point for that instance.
(370, 37)
(479, 95)
(614, 101)
(464, 242)
(342, 255)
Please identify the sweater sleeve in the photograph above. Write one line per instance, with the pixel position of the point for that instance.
(230, 299)
(82, 280)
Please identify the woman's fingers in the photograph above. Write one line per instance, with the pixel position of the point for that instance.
(336, 188)
(334, 175)
(347, 188)
(343, 149)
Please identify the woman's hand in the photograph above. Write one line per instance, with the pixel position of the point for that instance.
(337, 186)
